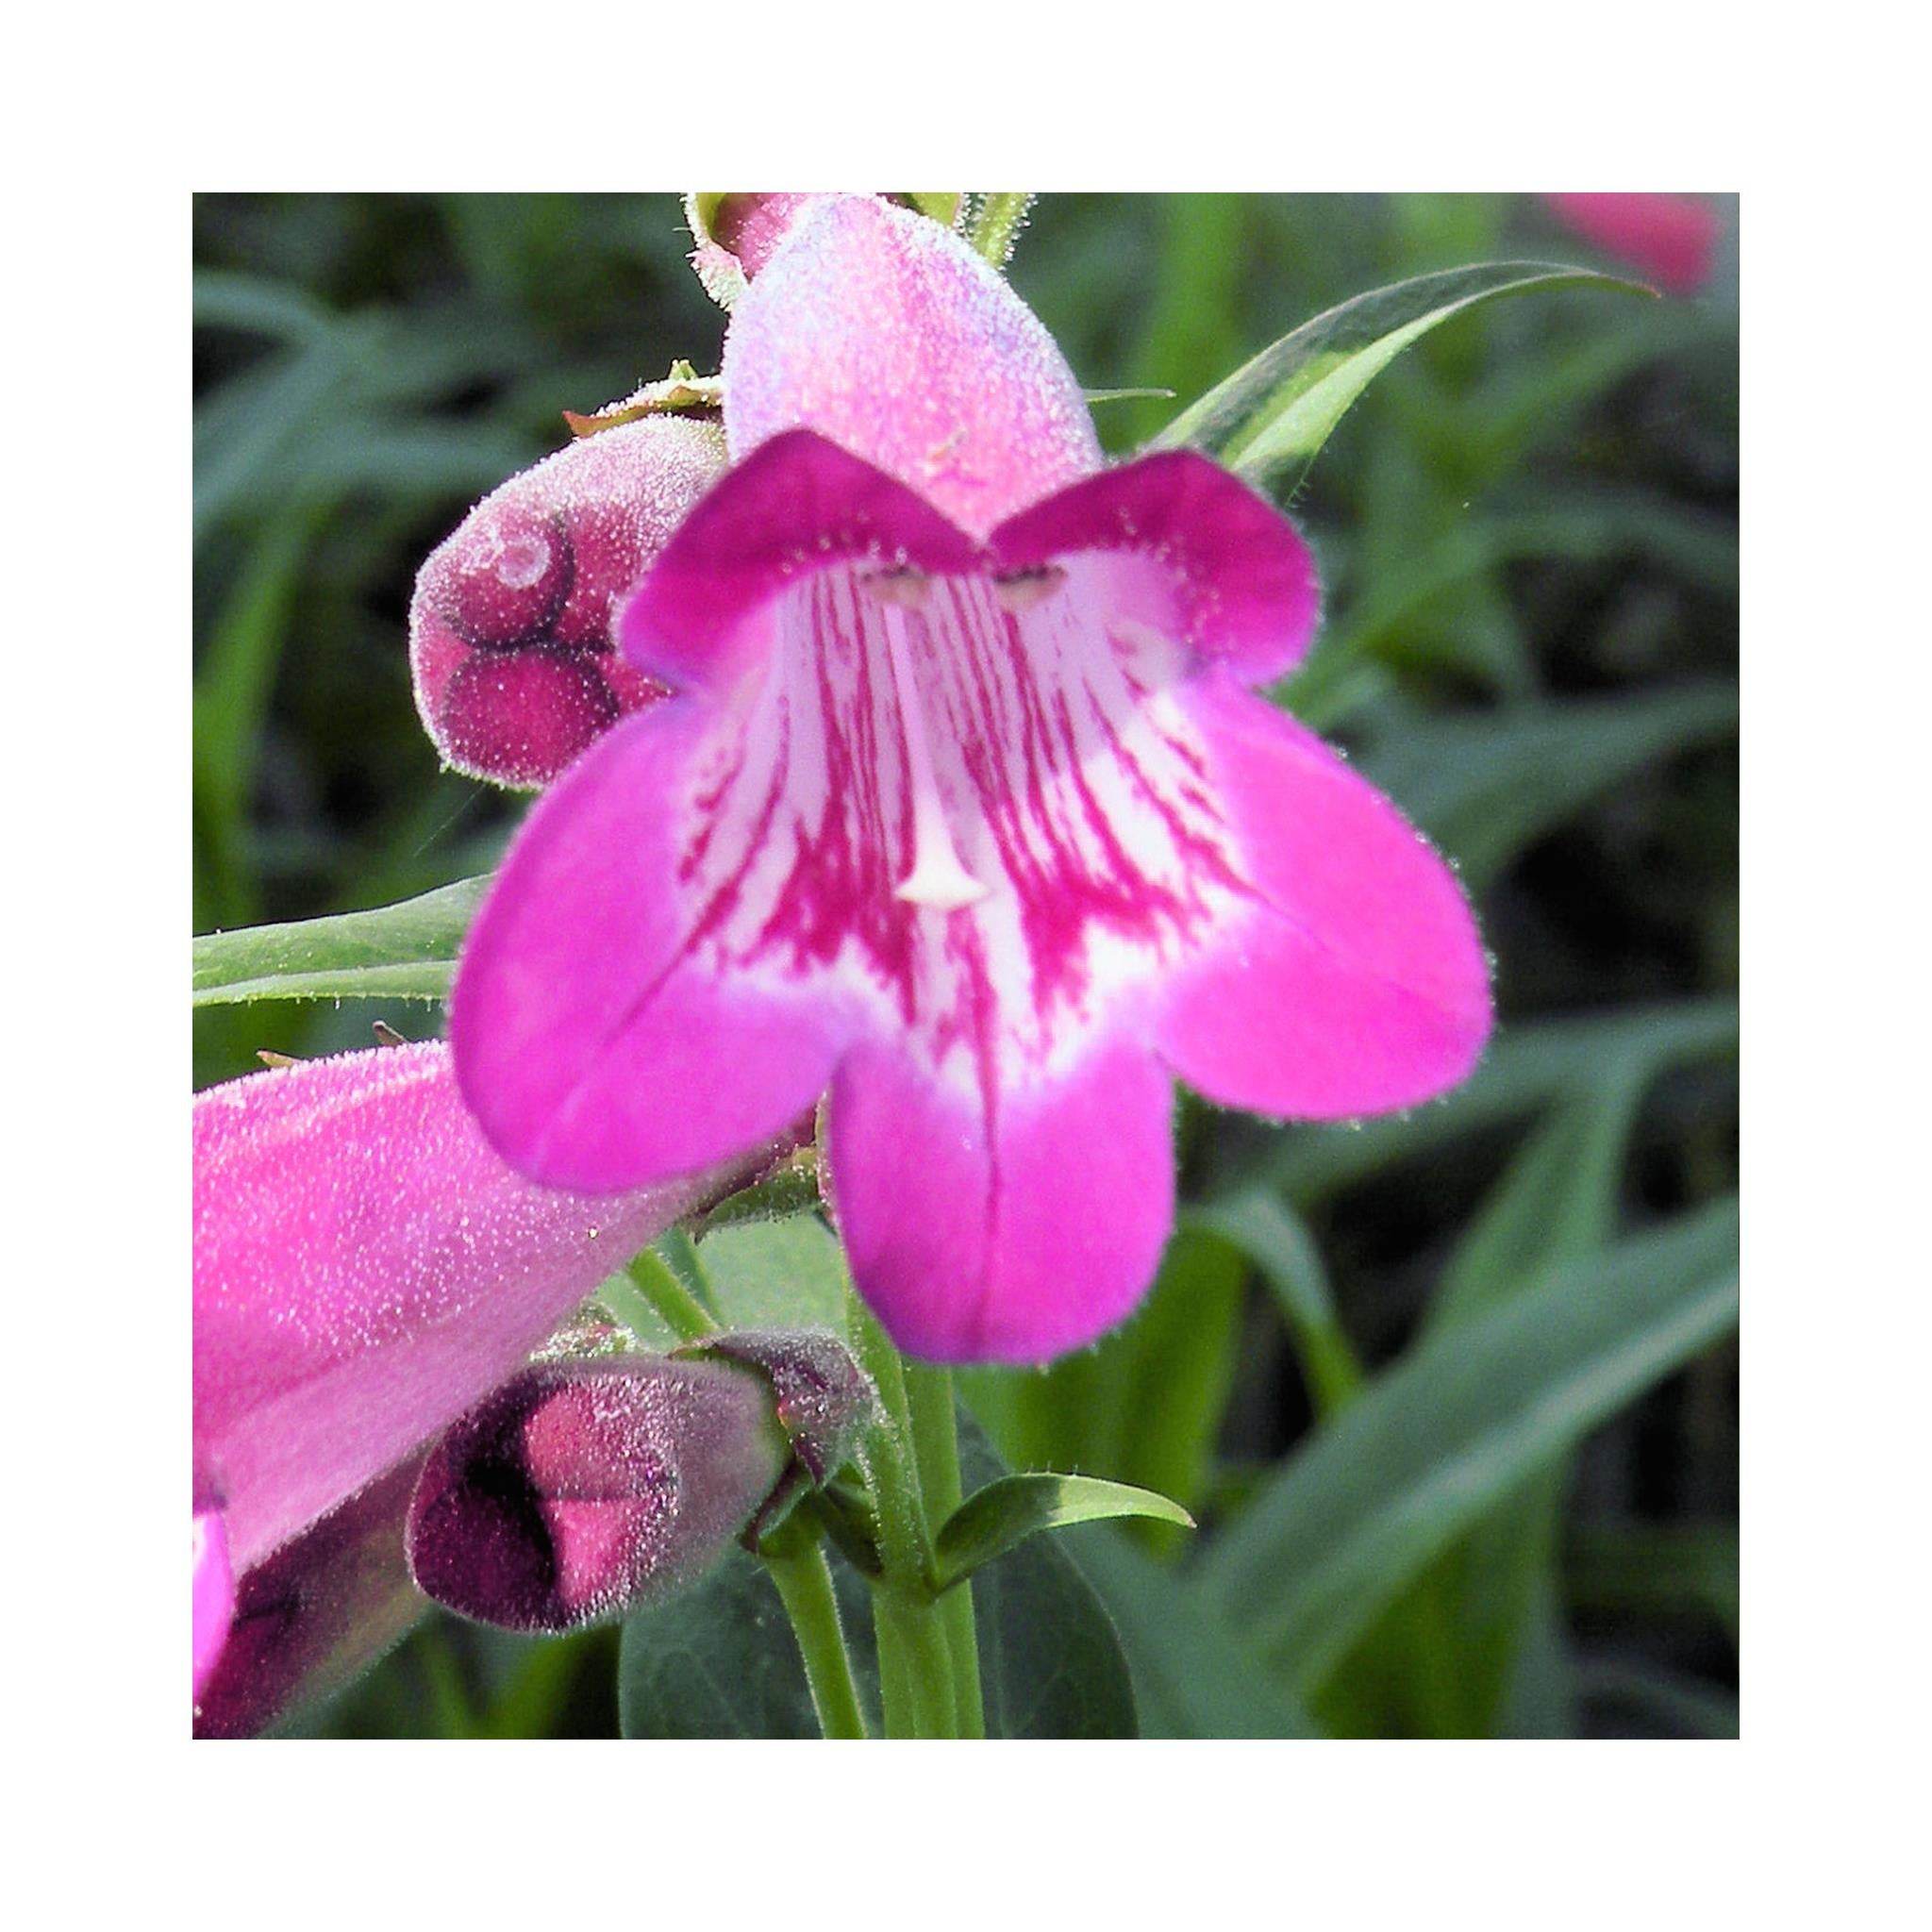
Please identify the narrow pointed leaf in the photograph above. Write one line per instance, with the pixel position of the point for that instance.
(402, 952)
(1486, 787)
(1277, 1240)
(1530, 1067)
(990, 1522)
(1455, 1426)
(1269, 420)
(1193, 1676)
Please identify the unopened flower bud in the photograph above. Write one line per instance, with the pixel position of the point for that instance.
(738, 234)
(585, 1487)
(314, 1615)
(512, 630)
(591, 1485)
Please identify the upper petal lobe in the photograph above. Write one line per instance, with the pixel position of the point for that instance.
(884, 331)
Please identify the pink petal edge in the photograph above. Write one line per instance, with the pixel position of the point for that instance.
(1010, 1242)
(1359, 984)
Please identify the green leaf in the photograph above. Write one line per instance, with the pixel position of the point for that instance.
(1487, 787)
(990, 1521)
(1269, 420)
(1193, 1676)
(1275, 1239)
(1455, 1426)
(1529, 1068)
(720, 1661)
(402, 952)
(1556, 1204)
(1663, 1571)
(775, 1274)
(1050, 1660)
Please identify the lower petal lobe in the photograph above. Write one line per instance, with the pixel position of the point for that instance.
(1009, 1231)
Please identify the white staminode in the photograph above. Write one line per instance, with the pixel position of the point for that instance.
(939, 877)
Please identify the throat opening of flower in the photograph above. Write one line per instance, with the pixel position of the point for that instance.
(939, 877)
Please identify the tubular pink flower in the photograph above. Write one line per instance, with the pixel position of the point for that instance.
(512, 629)
(365, 1269)
(961, 810)
(1671, 237)
(314, 1616)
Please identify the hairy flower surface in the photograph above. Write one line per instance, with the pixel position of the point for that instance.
(512, 627)
(962, 810)
(366, 1267)
(583, 1488)
(309, 1619)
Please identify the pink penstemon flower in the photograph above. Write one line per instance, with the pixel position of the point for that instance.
(1671, 237)
(963, 811)
(366, 1268)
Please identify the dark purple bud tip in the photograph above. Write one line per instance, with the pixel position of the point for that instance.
(824, 1399)
(522, 717)
(584, 1488)
(314, 1616)
(506, 575)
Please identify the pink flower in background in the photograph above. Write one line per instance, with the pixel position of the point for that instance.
(513, 626)
(365, 1269)
(963, 810)
(1671, 237)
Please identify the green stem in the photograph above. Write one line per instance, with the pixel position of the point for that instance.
(936, 1450)
(995, 225)
(672, 1302)
(805, 1586)
(915, 1657)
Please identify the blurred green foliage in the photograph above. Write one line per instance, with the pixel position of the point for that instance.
(1450, 1392)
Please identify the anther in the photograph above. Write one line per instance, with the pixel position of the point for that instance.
(1021, 590)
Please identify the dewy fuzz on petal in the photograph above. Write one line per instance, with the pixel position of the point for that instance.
(512, 625)
(365, 1267)
(884, 331)
(583, 1488)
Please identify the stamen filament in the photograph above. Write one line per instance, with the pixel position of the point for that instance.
(939, 877)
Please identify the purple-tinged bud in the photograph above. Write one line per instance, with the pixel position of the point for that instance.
(738, 234)
(316, 1614)
(583, 1488)
(511, 636)
(824, 1398)
(592, 1484)
(735, 235)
